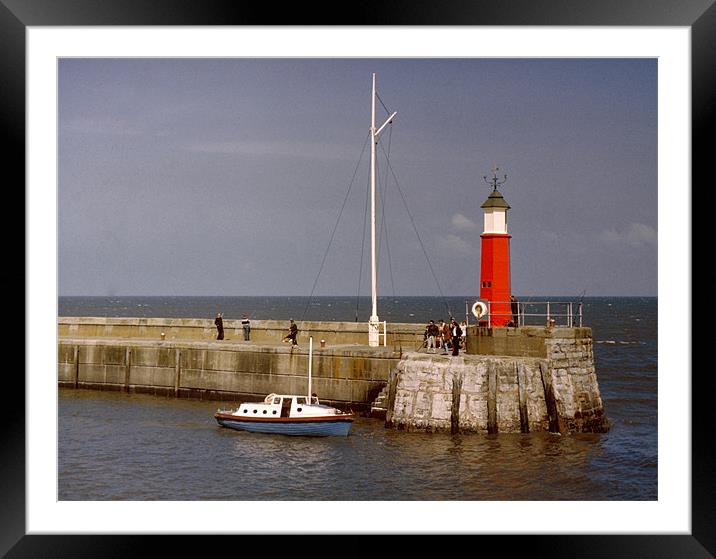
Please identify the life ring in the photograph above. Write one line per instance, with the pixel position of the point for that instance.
(479, 309)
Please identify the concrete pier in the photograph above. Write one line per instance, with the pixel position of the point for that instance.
(347, 376)
(509, 379)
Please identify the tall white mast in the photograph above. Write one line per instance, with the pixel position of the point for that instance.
(374, 324)
(310, 363)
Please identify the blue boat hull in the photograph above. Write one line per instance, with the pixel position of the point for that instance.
(305, 428)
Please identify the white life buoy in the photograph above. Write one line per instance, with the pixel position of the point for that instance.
(479, 309)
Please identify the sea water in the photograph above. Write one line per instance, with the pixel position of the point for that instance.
(157, 448)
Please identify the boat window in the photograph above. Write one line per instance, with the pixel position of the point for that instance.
(277, 400)
(299, 409)
(300, 401)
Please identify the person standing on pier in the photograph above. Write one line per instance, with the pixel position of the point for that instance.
(433, 333)
(444, 336)
(219, 321)
(515, 308)
(456, 332)
(246, 324)
(292, 333)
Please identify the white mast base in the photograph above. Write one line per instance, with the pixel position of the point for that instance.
(374, 331)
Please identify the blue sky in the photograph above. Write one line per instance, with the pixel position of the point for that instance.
(227, 176)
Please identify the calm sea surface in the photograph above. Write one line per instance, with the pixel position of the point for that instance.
(154, 448)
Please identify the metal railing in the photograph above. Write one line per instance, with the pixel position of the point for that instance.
(530, 313)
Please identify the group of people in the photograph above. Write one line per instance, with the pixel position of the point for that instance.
(246, 326)
(443, 336)
(219, 323)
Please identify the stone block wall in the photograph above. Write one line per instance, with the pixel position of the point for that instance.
(466, 394)
(576, 390)
(557, 391)
(509, 380)
(213, 370)
(406, 335)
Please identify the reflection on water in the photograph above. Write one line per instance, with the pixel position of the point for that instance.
(139, 447)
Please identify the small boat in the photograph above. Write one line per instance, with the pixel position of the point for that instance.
(288, 414)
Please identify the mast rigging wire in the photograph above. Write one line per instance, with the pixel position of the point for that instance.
(330, 241)
(362, 246)
(422, 246)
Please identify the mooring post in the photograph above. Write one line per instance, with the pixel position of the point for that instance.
(491, 398)
(524, 420)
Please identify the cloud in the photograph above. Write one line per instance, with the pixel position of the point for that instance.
(635, 235)
(455, 245)
(462, 223)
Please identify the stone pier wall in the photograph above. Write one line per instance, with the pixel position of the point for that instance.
(555, 391)
(509, 379)
(470, 393)
(406, 335)
(216, 371)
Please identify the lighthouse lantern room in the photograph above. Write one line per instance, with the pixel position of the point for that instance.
(495, 254)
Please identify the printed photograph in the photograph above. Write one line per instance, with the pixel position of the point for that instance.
(357, 279)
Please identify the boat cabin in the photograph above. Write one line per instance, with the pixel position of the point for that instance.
(283, 405)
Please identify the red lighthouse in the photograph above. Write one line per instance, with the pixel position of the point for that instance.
(495, 255)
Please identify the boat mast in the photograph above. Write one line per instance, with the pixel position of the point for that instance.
(374, 323)
(310, 361)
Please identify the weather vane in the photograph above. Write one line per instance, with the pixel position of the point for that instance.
(494, 180)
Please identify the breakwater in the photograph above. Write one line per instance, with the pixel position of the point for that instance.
(508, 380)
(220, 370)
(407, 335)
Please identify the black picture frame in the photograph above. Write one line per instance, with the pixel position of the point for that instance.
(699, 15)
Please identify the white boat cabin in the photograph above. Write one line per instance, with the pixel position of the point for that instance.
(286, 405)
